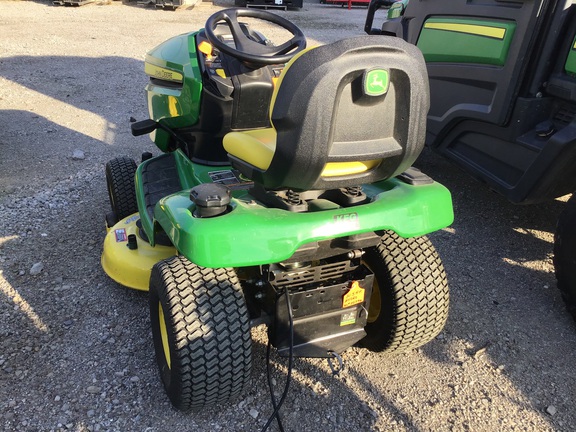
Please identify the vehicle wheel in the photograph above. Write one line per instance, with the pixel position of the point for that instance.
(201, 332)
(410, 298)
(565, 254)
(120, 173)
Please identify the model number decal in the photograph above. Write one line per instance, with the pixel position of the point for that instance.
(349, 219)
(132, 219)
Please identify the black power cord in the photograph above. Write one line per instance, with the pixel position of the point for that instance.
(276, 406)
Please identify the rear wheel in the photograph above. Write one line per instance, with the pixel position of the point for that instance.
(410, 298)
(201, 332)
(565, 254)
(120, 174)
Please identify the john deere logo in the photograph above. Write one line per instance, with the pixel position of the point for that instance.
(376, 82)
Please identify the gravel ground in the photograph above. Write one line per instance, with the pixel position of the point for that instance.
(75, 348)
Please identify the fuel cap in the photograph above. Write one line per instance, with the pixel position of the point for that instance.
(211, 199)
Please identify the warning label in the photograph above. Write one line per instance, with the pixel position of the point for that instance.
(354, 296)
(121, 235)
(230, 178)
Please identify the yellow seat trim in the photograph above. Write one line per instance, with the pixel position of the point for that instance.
(335, 169)
(255, 147)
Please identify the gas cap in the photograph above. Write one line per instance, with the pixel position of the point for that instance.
(211, 199)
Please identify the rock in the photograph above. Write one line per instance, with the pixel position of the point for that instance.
(551, 410)
(78, 155)
(93, 389)
(254, 413)
(36, 269)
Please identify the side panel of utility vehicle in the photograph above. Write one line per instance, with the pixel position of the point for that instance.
(490, 64)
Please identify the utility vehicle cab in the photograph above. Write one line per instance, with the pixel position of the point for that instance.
(503, 98)
(502, 88)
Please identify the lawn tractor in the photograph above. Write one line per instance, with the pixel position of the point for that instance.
(283, 195)
(503, 98)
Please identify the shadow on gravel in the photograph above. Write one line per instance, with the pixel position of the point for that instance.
(506, 313)
(79, 107)
(31, 145)
(84, 82)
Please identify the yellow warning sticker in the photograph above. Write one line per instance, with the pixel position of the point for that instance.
(354, 296)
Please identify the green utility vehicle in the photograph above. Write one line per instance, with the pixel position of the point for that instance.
(502, 98)
(283, 195)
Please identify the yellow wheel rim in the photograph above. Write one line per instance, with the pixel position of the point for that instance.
(375, 300)
(164, 334)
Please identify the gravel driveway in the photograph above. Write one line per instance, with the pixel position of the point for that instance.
(75, 348)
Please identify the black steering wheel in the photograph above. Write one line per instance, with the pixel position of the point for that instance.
(248, 50)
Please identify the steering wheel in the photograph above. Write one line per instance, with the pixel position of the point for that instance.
(248, 50)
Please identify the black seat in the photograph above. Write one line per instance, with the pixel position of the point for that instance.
(349, 113)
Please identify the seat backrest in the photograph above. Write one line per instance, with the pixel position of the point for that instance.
(361, 99)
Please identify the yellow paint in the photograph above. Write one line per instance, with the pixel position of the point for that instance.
(335, 169)
(162, 73)
(278, 83)
(131, 268)
(173, 106)
(375, 306)
(206, 48)
(255, 147)
(478, 30)
(164, 335)
(221, 73)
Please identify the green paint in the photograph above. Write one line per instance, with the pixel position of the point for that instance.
(449, 45)
(376, 82)
(570, 66)
(252, 234)
(397, 9)
(175, 106)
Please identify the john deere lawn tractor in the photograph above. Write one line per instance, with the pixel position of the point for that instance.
(503, 98)
(283, 195)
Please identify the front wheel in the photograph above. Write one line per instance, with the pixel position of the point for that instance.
(565, 254)
(201, 332)
(410, 297)
(120, 174)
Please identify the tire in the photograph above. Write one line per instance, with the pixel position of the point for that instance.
(565, 255)
(120, 174)
(410, 297)
(201, 333)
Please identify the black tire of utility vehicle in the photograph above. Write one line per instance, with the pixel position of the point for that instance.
(565, 254)
(120, 174)
(410, 297)
(201, 332)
